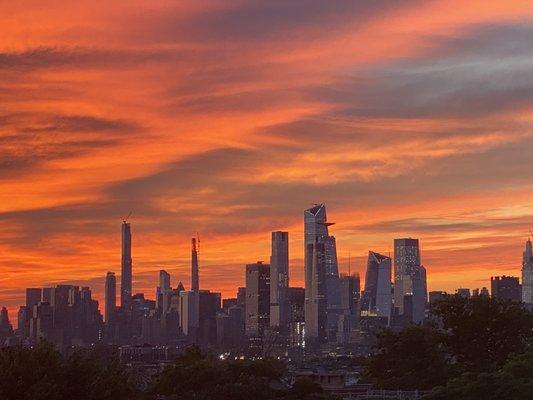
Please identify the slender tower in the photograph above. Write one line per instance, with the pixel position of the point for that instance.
(195, 280)
(126, 273)
(279, 279)
(527, 274)
(110, 297)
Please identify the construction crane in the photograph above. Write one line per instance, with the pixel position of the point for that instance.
(198, 243)
(128, 217)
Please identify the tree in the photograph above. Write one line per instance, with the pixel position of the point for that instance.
(413, 358)
(512, 382)
(31, 374)
(482, 332)
(201, 377)
(42, 373)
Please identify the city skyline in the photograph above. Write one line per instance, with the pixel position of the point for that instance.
(229, 292)
(318, 220)
(230, 118)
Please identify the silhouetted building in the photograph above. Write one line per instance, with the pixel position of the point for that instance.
(409, 278)
(350, 287)
(296, 296)
(316, 310)
(316, 230)
(279, 279)
(164, 281)
(195, 278)
(6, 329)
(209, 306)
(33, 297)
(436, 295)
(126, 267)
(377, 297)
(110, 297)
(257, 298)
(188, 313)
(527, 274)
(506, 287)
(463, 292)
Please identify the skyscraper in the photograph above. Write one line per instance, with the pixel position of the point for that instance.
(350, 293)
(506, 287)
(409, 277)
(420, 294)
(316, 311)
(110, 297)
(257, 314)
(33, 297)
(195, 279)
(527, 274)
(377, 297)
(279, 279)
(126, 267)
(164, 281)
(316, 231)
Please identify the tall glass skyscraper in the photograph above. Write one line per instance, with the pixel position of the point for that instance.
(195, 277)
(110, 297)
(320, 293)
(409, 278)
(377, 297)
(527, 274)
(279, 279)
(126, 267)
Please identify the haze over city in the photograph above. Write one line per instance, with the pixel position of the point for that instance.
(409, 119)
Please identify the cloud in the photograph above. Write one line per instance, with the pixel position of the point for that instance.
(30, 139)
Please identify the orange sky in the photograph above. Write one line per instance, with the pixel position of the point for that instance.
(409, 118)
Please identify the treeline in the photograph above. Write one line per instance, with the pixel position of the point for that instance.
(42, 373)
(476, 348)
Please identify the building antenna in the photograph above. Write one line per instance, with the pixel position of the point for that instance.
(349, 264)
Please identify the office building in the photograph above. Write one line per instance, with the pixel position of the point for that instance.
(316, 230)
(463, 292)
(110, 297)
(33, 297)
(350, 293)
(195, 278)
(279, 279)
(527, 274)
(409, 278)
(506, 288)
(126, 267)
(316, 310)
(257, 314)
(188, 313)
(377, 296)
(164, 281)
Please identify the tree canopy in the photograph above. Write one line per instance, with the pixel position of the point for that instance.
(476, 336)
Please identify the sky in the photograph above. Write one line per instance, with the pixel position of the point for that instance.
(229, 118)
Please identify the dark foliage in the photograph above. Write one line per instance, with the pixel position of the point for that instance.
(476, 335)
(411, 359)
(42, 373)
(199, 377)
(482, 332)
(512, 382)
